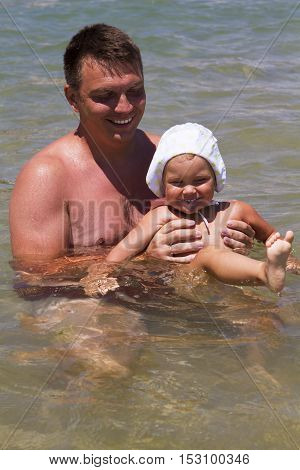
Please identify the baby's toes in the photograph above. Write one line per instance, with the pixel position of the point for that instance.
(272, 239)
(289, 236)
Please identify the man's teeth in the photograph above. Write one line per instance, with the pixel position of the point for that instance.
(123, 121)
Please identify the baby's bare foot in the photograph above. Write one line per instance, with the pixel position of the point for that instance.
(277, 254)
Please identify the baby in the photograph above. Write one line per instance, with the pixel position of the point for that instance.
(186, 170)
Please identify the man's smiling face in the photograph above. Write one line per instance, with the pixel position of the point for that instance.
(111, 105)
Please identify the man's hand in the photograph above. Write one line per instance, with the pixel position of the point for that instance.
(179, 241)
(174, 238)
(239, 236)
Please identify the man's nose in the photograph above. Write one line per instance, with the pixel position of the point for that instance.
(123, 105)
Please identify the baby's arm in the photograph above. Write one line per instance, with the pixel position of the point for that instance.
(243, 211)
(140, 236)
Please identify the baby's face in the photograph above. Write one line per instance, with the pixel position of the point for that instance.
(189, 183)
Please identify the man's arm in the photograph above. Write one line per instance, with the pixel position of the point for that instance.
(39, 222)
(141, 235)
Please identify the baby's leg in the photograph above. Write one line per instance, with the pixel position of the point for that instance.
(228, 266)
(233, 268)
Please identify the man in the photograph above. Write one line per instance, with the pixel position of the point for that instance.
(88, 187)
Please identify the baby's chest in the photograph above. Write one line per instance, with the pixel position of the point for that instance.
(211, 230)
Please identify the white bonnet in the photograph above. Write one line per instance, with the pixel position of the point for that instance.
(185, 138)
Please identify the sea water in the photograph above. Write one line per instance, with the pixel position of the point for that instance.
(148, 366)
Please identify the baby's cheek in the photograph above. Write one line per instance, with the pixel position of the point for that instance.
(168, 194)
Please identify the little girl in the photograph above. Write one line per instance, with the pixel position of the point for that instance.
(186, 170)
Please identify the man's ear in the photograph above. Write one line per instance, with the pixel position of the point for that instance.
(72, 97)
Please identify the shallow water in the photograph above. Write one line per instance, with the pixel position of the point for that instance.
(149, 367)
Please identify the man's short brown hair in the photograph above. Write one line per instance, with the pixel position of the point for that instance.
(105, 44)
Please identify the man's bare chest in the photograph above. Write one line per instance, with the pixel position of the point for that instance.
(99, 214)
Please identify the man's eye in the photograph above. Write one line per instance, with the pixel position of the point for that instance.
(175, 183)
(136, 91)
(200, 181)
(102, 98)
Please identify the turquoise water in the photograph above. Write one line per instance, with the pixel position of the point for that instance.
(152, 368)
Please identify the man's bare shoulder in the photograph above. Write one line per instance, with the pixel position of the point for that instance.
(52, 160)
(60, 150)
